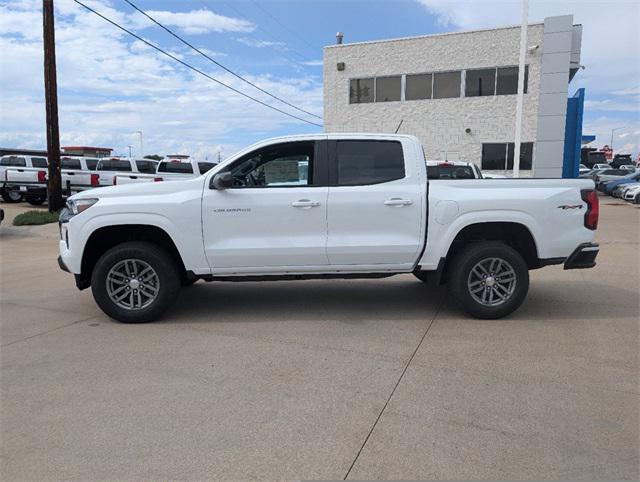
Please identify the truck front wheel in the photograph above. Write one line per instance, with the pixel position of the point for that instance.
(135, 282)
(489, 279)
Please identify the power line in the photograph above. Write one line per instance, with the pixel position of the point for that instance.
(218, 63)
(146, 42)
(291, 31)
(271, 35)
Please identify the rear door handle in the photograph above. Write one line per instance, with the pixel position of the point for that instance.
(396, 201)
(305, 203)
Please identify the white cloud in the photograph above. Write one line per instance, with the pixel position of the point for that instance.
(109, 87)
(628, 91)
(313, 63)
(200, 21)
(627, 105)
(259, 43)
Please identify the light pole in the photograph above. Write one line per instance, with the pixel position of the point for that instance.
(141, 149)
(612, 131)
(130, 151)
(520, 96)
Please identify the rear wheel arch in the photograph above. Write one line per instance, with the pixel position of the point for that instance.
(105, 238)
(516, 235)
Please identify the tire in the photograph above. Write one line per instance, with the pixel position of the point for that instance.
(10, 196)
(153, 297)
(35, 200)
(478, 259)
(422, 276)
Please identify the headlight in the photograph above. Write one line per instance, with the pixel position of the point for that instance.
(76, 206)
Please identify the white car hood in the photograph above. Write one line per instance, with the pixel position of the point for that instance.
(140, 189)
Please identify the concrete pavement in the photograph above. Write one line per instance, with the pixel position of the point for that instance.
(322, 379)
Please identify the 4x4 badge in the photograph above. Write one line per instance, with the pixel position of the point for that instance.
(570, 206)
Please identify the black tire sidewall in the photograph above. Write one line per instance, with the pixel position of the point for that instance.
(158, 259)
(35, 200)
(6, 198)
(467, 259)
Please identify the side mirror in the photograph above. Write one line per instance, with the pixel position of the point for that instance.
(222, 180)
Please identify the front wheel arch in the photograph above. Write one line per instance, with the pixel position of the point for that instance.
(105, 238)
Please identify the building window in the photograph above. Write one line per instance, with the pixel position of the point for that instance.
(507, 83)
(368, 162)
(361, 91)
(418, 87)
(480, 82)
(446, 84)
(499, 156)
(388, 88)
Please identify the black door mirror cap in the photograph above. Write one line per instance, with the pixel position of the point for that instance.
(222, 180)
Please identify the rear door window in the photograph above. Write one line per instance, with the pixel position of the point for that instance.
(92, 164)
(147, 167)
(70, 164)
(205, 166)
(39, 162)
(116, 165)
(176, 167)
(368, 162)
(14, 161)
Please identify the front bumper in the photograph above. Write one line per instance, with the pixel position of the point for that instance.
(584, 256)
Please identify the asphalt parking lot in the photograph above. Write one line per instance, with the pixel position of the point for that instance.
(330, 379)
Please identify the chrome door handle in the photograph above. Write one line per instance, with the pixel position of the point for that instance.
(305, 203)
(396, 201)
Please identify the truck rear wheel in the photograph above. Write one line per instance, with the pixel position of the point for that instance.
(489, 279)
(35, 200)
(10, 196)
(135, 282)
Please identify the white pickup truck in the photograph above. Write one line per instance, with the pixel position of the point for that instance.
(78, 173)
(169, 170)
(114, 171)
(24, 176)
(323, 206)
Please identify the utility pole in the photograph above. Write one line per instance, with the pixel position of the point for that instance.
(54, 185)
(130, 157)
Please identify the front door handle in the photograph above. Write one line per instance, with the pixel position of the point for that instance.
(305, 203)
(396, 201)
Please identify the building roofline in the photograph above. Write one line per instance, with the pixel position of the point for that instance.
(417, 37)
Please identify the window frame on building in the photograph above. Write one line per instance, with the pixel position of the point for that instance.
(526, 150)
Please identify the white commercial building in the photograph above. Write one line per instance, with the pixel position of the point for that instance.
(457, 93)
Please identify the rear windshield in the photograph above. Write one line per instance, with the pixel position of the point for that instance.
(13, 161)
(614, 172)
(176, 167)
(39, 162)
(114, 165)
(450, 172)
(92, 164)
(205, 166)
(147, 167)
(70, 164)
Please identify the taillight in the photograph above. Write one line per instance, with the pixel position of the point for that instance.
(95, 179)
(593, 208)
(157, 179)
(42, 176)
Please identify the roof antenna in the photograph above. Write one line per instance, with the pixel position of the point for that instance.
(399, 125)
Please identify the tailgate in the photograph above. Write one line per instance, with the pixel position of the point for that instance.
(25, 175)
(76, 178)
(121, 179)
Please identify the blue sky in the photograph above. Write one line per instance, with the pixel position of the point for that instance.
(111, 85)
